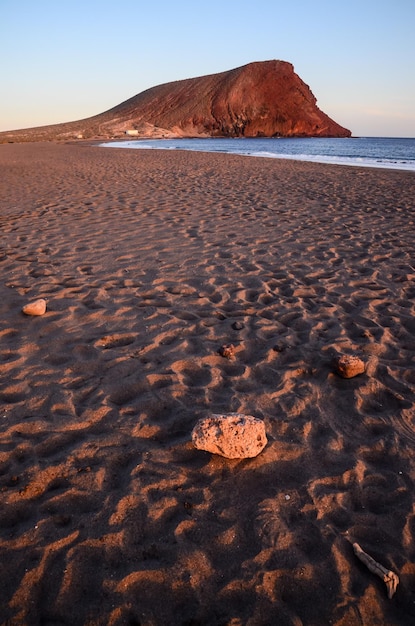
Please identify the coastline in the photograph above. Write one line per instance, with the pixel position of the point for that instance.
(147, 259)
(373, 152)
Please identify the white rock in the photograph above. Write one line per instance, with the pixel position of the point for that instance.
(235, 436)
(37, 307)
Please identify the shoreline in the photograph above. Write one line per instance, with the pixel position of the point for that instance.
(147, 259)
(350, 161)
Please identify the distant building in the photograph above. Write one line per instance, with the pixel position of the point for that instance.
(132, 132)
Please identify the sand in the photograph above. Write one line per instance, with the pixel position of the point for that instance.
(150, 262)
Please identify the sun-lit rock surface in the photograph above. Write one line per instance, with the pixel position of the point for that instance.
(235, 436)
(262, 99)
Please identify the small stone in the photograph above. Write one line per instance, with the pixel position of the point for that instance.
(227, 351)
(37, 307)
(238, 325)
(348, 366)
(281, 347)
(234, 436)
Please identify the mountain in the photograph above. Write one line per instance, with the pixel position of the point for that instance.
(262, 99)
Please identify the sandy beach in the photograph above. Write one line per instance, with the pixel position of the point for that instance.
(150, 261)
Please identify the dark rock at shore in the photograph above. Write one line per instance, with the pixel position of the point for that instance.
(263, 99)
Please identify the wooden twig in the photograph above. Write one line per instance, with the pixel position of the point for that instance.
(390, 579)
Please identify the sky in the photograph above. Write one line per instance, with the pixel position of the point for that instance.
(70, 59)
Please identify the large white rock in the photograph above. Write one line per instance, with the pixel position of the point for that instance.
(235, 436)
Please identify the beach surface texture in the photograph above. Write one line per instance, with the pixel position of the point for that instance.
(149, 263)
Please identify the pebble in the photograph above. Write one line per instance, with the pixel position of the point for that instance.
(238, 325)
(348, 366)
(227, 351)
(37, 307)
(234, 436)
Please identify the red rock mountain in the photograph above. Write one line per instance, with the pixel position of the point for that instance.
(263, 99)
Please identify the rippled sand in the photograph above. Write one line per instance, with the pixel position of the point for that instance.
(108, 515)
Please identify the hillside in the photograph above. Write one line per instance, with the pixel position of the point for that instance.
(262, 99)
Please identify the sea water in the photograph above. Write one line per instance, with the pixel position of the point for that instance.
(384, 152)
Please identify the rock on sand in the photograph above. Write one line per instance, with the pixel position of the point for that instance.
(37, 307)
(235, 436)
(349, 366)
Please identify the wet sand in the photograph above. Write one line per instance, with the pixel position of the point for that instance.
(150, 262)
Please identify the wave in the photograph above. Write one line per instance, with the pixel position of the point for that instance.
(362, 152)
(339, 160)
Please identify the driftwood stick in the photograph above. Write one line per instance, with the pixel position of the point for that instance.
(390, 579)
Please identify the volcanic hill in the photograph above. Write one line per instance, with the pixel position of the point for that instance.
(262, 99)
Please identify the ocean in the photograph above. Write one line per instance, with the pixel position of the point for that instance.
(384, 152)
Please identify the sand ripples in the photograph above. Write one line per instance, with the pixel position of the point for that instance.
(149, 264)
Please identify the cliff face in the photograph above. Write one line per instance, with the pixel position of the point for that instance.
(259, 99)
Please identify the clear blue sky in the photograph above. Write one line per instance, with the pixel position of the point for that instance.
(63, 60)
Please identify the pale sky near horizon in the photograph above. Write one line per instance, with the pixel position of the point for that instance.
(67, 60)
